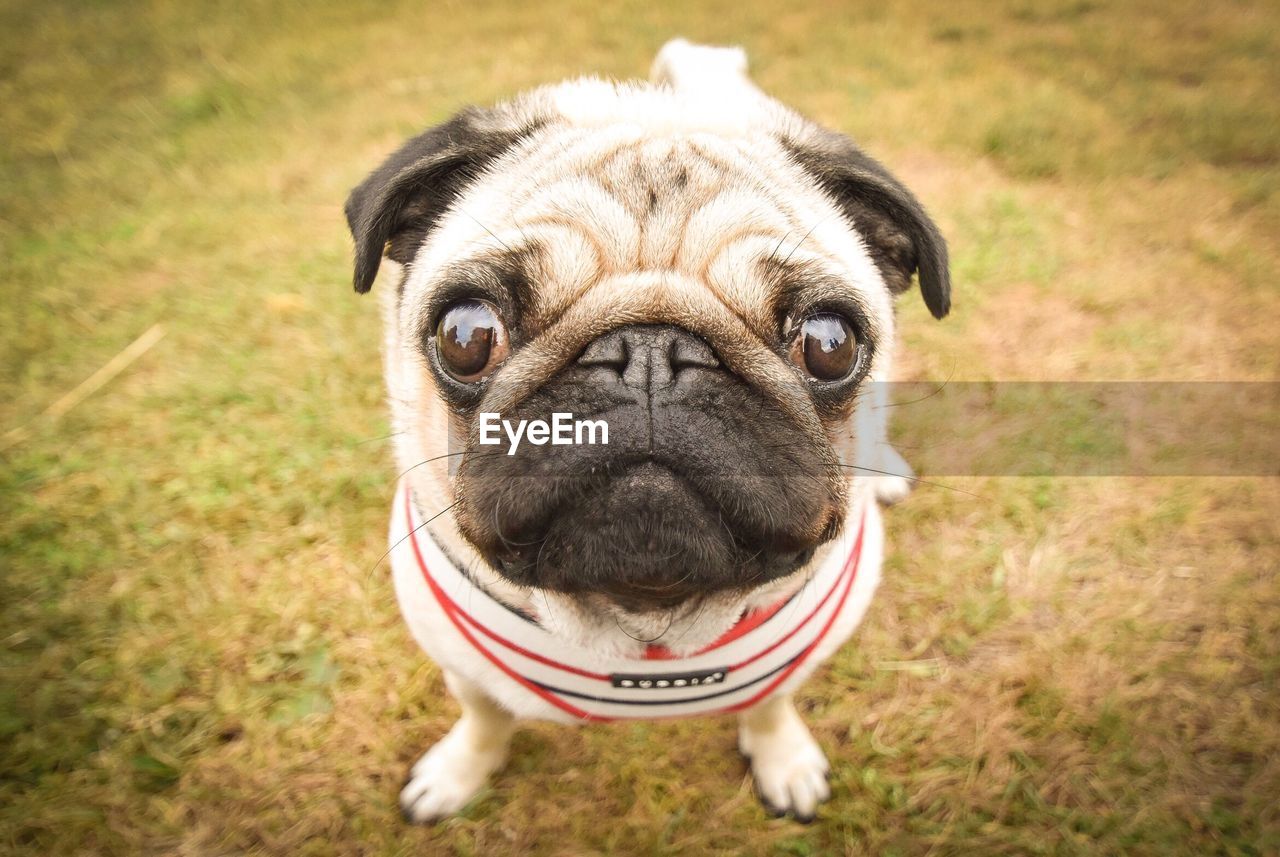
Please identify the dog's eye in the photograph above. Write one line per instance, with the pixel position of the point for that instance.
(471, 340)
(825, 347)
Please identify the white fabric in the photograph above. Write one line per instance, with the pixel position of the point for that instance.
(808, 628)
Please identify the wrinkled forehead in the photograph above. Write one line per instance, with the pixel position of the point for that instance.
(666, 224)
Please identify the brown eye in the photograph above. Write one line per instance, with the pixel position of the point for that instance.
(825, 347)
(471, 340)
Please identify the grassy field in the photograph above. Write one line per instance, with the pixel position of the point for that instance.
(198, 654)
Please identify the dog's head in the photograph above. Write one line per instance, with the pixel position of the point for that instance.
(709, 275)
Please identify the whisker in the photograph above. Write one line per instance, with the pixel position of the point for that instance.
(495, 512)
(663, 587)
(401, 541)
(374, 567)
(804, 239)
(446, 455)
(374, 439)
(702, 608)
(914, 479)
(490, 231)
(950, 375)
(670, 619)
(784, 237)
(894, 444)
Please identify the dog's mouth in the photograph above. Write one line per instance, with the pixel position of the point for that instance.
(639, 597)
(643, 620)
(647, 540)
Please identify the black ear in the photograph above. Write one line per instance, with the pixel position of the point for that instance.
(398, 204)
(899, 234)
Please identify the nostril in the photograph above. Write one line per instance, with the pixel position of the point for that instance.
(649, 355)
(609, 351)
(689, 351)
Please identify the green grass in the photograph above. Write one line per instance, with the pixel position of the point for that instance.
(197, 651)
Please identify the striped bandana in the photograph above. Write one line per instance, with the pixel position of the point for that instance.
(743, 667)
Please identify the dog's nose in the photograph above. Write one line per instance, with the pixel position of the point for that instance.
(649, 356)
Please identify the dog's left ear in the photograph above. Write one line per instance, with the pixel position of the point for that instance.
(401, 201)
(900, 236)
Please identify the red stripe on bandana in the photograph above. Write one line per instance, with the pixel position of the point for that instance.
(745, 625)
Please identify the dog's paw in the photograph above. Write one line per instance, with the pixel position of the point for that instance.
(893, 488)
(789, 768)
(446, 778)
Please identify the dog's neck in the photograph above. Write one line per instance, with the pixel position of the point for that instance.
(599, 624)
(734, 671)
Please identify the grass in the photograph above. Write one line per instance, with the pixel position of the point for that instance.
(198, 654)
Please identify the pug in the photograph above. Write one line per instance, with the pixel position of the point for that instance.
(681, 295)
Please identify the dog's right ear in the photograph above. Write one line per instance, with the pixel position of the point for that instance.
(899, 234)
(398, 204)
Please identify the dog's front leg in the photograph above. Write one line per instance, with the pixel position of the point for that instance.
(789, 767)
(454, 770)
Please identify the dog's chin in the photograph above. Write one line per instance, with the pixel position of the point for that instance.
(645, 544)
(604, 625)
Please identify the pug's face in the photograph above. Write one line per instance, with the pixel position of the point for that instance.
(714, 284)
